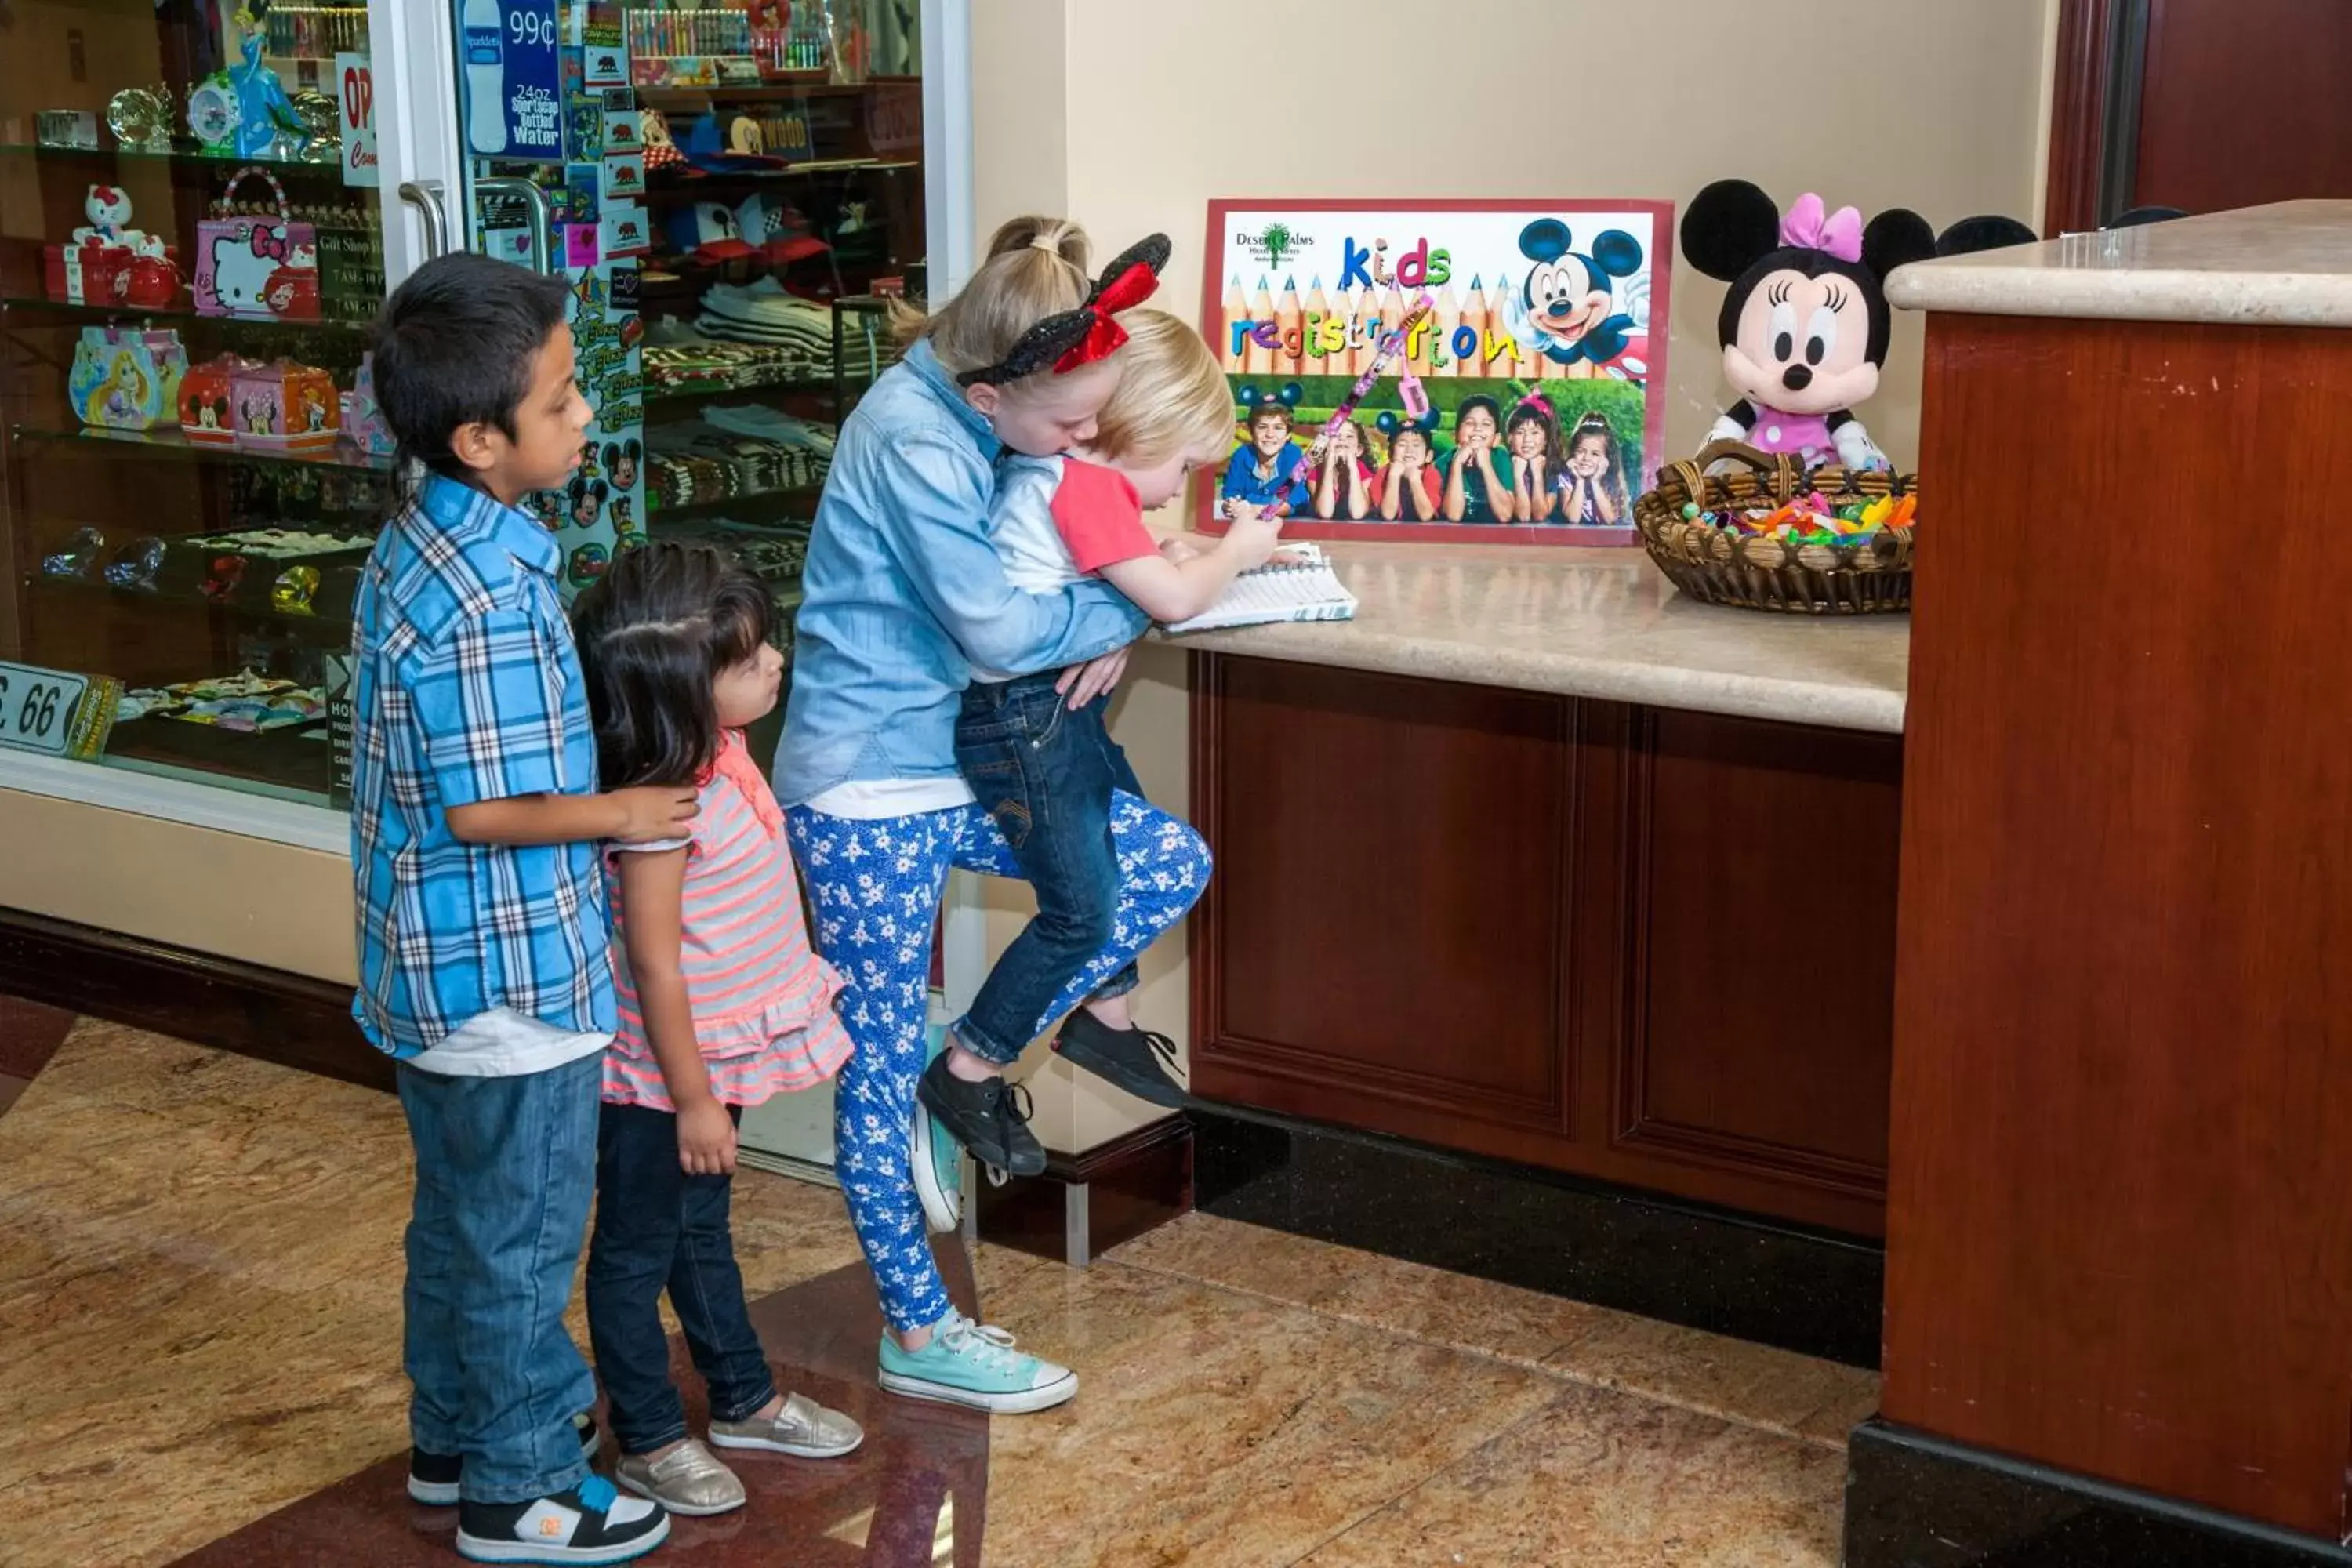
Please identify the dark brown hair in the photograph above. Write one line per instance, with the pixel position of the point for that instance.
(656, 632)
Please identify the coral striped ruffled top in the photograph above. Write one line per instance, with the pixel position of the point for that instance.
(762, 1000)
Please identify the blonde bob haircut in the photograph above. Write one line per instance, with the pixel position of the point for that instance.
(1172, 397)
(1036, 267)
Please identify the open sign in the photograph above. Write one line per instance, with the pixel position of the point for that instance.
(356, 104)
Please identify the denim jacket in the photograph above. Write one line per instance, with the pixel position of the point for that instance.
(904, 595)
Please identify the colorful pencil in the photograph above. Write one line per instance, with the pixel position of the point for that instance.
(1314, 360)
(1259, 359)
(1236, 310)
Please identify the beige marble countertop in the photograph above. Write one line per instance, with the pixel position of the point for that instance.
(2289, 265)
(1590, 623)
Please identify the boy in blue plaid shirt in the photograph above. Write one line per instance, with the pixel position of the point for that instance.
(484, 947)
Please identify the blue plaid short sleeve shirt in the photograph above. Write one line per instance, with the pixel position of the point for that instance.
(466, 688)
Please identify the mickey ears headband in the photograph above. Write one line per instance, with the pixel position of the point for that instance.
(1091, 332)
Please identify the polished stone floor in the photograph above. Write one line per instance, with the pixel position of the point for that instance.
(199, 1305)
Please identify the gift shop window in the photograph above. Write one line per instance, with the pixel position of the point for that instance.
(193, 238)
(733, 192)
(190, 248)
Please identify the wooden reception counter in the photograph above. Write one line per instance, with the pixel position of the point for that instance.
(1538, 860)
(2119, 1296)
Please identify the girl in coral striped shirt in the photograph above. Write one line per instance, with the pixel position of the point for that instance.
(722, 1006)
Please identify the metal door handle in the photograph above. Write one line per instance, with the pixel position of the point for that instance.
(542, 241)
(426, 195)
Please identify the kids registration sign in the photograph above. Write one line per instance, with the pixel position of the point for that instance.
(1523, 403)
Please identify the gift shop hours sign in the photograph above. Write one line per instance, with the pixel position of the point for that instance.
(50, 711)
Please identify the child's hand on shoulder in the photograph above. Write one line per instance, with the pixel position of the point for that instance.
(650, 813)
(705, 1138)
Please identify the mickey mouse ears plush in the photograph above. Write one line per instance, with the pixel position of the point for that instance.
(1805, 325)
(1091, 332)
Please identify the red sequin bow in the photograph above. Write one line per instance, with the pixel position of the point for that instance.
(1124, 290)
(1090, 332)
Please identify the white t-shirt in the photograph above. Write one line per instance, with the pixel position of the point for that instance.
(1021, 526)
(503, 1043)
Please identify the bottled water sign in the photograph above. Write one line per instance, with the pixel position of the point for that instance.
(514, 107)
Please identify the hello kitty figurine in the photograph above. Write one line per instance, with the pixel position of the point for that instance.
(108, 207)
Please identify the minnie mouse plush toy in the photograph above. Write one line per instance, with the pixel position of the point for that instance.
(1805, 325)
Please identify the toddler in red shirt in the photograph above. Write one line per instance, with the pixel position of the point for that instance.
(1051, 774)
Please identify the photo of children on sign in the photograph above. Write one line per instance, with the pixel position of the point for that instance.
(1523, 403)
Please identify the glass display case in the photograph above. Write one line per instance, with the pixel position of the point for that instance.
(187, 265)
(201, 210)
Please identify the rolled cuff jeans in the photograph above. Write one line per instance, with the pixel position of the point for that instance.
(1046, 775)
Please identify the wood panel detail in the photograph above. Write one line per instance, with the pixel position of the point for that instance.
(1388, 890)
(1549, 931)
(1760, 990)
(2120, 1243)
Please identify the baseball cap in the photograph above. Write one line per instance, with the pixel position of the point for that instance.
(708, 231)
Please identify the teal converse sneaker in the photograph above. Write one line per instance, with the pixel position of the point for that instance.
(975, 1366)
(937, 1158)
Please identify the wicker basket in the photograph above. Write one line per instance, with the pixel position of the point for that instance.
(1871, 575)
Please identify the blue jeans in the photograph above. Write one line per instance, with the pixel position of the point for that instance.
(656, 1228)
(875, 885)
(1046, 774)
(505, 1167)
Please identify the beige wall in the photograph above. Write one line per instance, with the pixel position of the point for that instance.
(1132, 114)
(271, 904)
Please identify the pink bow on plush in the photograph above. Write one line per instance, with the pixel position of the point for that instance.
(1839, 233)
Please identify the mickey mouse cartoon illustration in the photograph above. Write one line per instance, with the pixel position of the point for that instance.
(1805, 325)
(1563, 311)
(587, 500)
(621, 462)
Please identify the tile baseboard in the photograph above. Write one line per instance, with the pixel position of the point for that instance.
(1914, 1500)
(1762, 1281)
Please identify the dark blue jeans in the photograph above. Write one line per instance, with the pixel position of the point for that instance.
(1046, 775)
(658, 1228)
(504, 1170)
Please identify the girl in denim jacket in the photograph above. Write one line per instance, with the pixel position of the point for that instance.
(905, 596)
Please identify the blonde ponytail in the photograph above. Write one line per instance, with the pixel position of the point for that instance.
(1036, 267)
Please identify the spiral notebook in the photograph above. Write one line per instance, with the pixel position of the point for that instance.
(1298, 584)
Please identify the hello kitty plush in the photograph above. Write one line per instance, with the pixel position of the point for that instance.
(108, 207)
(109, 211)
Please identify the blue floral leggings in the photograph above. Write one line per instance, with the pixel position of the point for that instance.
(876, 886)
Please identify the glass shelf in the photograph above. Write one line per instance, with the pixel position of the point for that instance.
(177, 157)
(686, 185)
(335, 629)
(780, 90)
(658, 396)
(103, 314)
(169, 445)
(761, 501)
